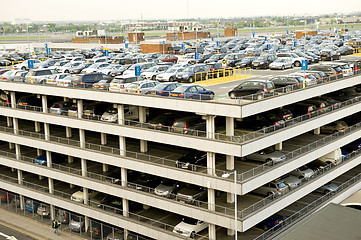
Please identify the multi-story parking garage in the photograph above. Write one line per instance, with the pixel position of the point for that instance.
(95, 148)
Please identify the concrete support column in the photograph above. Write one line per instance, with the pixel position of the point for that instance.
(20, 177)
(212, 231)
(17, 151)
(37, 126)
(22, 203)
(9, 122)
(211, 159)
(80, 108)
(82, 138)
(122, 142)
(13, 99)
(210, 126)
(143, 119)
(52, 212)
(103, 141)
(68, 133)
(44, 102)
(124, 179)
(51, 185)
(317, 131)
(87, 223)
(47, 131)
(84, 168)
(278, 146)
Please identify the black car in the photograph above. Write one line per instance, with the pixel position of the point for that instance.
(87, 80)
(316, 165)
(272, 221)
(245, 62)
(259, 89)
(4, 62)
(29, 101)
(302, 109)
(263, 61)
(232, 59)
(290, 82)
(329, 69)
(330, 55)
(217, 70)
(119, 71)
(345, 50)
(95, 109)
(278, 118)
(191, 160)
(192, 125)
(13, 57)
(98, 230)
(345, 94)
(214, 58)
(144, 181)
(163, 121)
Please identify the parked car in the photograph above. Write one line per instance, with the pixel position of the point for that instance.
(87, 80)
(169, 75)
(327, 188)
(62, 216)
(302, 109)
(163, 121)
(281, 63)
(271, 222)
(260, 89)
(191, 194)
(31, 205)
(79, 68)
(330, 55)
(275, 188)
(144, 181)
(333, 127)
(197, 72)
(10, 75)
(141, 87)
(118, 70)
(245, 62)
(25, 65)
(268, 155)
(55, 158)
(189, 125)
(151, 73)
(39, 75)
(316, 165)
(4, 62)
(119, 83)
(53, 79)
(189, 227)
(163, 89)
(97, 230)
(296, 60)
(143, 66)
(168, 58)
(43, 211)
(95, 109)
(76, 223)
(66, 67)
(334, 157)
(20, 76)
(192, 160)
(289, 82)
(263, 61)
(329, 70)
(102, 84)
(60, 108)
(191, 91)
(95, 68)
(292, 181)
(29, 100)
(168, 188)
(303, 172)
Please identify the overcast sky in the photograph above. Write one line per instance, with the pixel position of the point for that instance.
(67, 10)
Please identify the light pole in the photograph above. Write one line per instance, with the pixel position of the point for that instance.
(226, 175)
(27, 33)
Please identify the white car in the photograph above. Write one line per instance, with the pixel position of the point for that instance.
(24, 65)
(64, 82)
(119, 83)
(53, 79)
(151, 73)
(169, 75)
(297, 60)
(189, 227)
(281, 63)
(66, 67)
(95, 68)
(109, 68)
(141, 87)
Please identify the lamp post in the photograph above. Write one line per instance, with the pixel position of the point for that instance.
(226, 175)
(27, 33)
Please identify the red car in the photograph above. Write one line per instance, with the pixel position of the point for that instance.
(168, 58)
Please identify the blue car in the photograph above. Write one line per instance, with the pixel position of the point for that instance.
(55, 158)
(270, 222)
(31, 205)
(191, 91)
(163, 89)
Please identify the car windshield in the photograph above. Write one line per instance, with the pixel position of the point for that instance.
(262, 58)
(181, 89)
(190, 220)
(160, 87)
(173, 70)
(280, 60)
(214, 57)
(281, 185)
(103, 81)
(268, 150)
(189, 69)
(56, 105)
(303, 168)
(152, 69)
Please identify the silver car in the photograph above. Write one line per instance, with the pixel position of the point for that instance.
(281, 63)
(76, 223)
(327, 188)
(303, 172)
(167, 188)
(292, 181)
(275, 188)
(268, 155)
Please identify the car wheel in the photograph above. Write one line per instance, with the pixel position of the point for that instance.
(283, 68)
(153, 77)
(269, 162)
(175, 61)
(232, 95)
(326, 192)
(191, 97)
(288, 89)
(331, 59)
(23, 68)
(259, 97)
(292, 65)
(193, 234)
(269, 194)
(211, 96)
(265, 227)
(66, 71)
(190, 80)
(297, 64)
(171, 79)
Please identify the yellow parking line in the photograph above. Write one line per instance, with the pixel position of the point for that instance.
(244, 134)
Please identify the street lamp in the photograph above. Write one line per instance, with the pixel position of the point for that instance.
(226, 175)
(27, 33)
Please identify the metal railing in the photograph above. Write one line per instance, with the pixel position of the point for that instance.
(222, 75)
(306, 210)
(222, 98)
(108, 209)
(240, 138)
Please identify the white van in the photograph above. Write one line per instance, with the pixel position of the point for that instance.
(334, 157)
